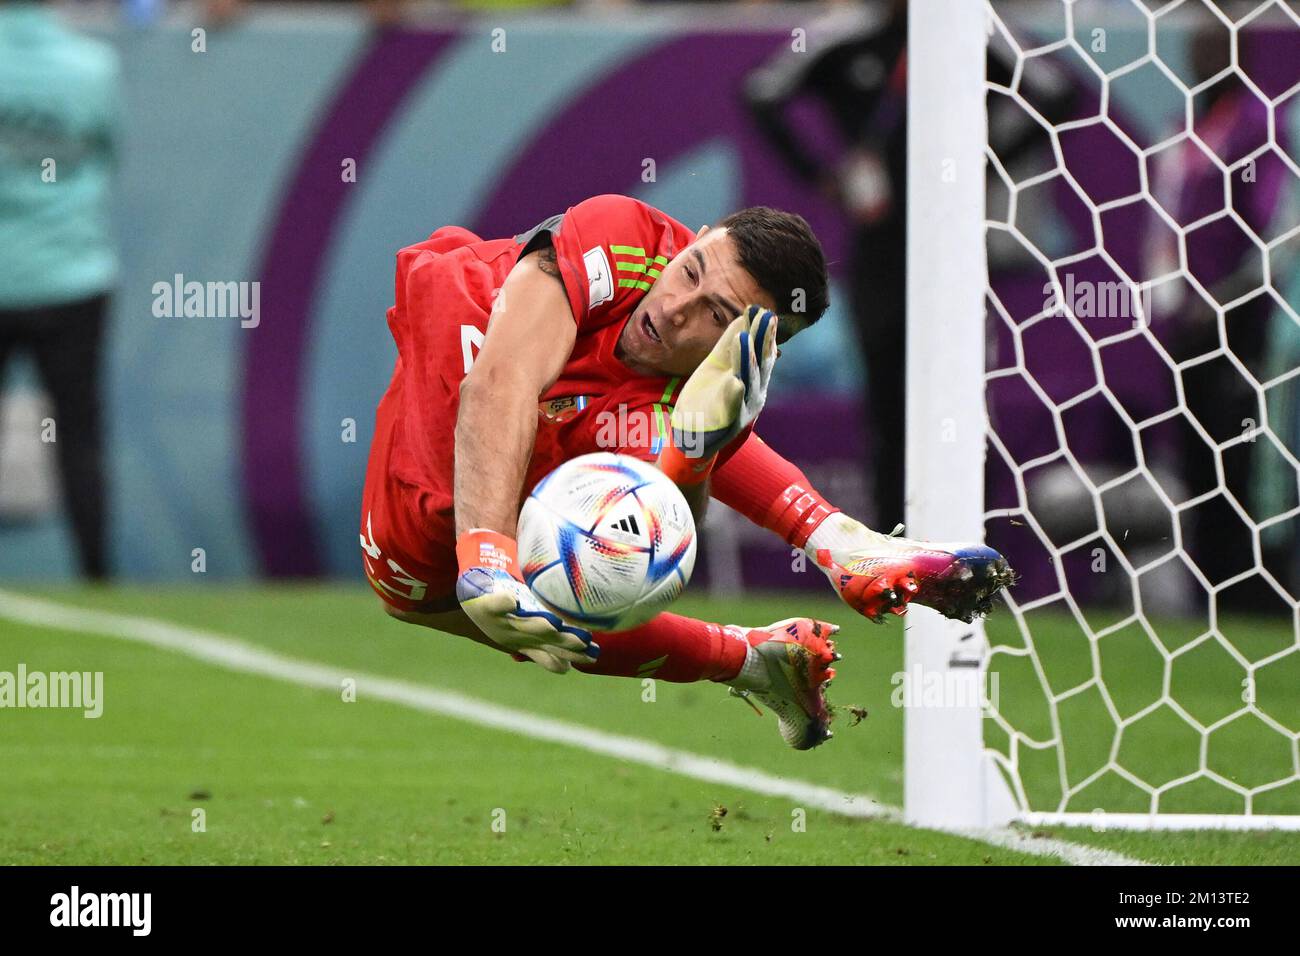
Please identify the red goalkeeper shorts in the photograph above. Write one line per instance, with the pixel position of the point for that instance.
(408, 546)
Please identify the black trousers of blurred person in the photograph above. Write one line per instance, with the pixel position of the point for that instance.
(1226, 406)
(65, 342)
(878, 294)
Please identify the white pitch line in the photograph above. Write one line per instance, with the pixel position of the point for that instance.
(237, 655)
(1076, 854)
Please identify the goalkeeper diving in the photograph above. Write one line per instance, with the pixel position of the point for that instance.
(514, 352)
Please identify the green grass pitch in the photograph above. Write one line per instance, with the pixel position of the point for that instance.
(292, 775)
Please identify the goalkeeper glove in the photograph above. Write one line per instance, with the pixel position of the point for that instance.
(495, 598)
(722, 396)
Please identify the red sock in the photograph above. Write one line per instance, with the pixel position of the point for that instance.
(670, 647)
(770, 491)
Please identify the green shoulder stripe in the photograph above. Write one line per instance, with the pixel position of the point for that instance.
(662, 428)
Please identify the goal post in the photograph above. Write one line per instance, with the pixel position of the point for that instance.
(1075, 404)
(948, 780)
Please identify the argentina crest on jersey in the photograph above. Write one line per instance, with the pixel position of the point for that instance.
(556, 411)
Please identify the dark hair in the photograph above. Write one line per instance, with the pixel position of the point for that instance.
(780, 251)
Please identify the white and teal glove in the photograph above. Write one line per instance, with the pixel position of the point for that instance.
(492, 595)
(722, 397)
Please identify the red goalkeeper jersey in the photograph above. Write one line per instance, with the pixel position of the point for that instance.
(609, 250)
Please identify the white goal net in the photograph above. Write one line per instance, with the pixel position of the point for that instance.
(1141, 393)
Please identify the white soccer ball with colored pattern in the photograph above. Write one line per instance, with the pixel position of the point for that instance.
(606, 541)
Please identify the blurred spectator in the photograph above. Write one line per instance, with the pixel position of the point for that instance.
(1222, 258)
(59, 104)
(861, 82)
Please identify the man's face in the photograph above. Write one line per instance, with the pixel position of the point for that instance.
(684, 313)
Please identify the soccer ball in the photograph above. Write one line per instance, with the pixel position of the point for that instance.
(606, 541)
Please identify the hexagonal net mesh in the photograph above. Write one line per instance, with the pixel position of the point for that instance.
(1143, 392)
